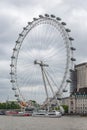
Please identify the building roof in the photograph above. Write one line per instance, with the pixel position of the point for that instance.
(81, 64)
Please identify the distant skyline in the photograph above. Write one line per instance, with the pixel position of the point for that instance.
(14, 15)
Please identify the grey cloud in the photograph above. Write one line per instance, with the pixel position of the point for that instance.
(22, 3)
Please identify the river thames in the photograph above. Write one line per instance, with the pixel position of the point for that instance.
(43, 123)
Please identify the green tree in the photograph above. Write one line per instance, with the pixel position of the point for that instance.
(65, 107)
(9, 105)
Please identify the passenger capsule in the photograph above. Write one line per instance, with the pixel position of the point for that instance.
(17, 41)
(25, 28)
(35, 19)
(71, 39)
(58, 98)
(64, 90)
(57, 18)
(53, 16)
(11, 65)
(47, 15)
(11, 73)
(71, 70)
(68, 80)
(63, 23)
(12, 57)
(12, 81)
(13, 88)
(14, 49)
(68, 30)
(21, 35)
(29, 23)
(73, 59)
(40, 16)
(73, 49)
(16, 95)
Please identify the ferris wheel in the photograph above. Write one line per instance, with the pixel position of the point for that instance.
(42, 60)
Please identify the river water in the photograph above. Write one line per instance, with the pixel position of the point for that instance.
(43, 123)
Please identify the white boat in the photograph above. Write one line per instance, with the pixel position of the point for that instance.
(43, 113)
(54, 114)
(39, 113)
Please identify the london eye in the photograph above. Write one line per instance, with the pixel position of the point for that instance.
(42, 59)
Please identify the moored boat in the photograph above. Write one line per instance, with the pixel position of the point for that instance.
(43, 113)
(15, 113)
(54, 114)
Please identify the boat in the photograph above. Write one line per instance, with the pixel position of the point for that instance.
(54, 114)
(39, 113)
(42, 113)
(11, 113)
(24, 114)
(15, 113)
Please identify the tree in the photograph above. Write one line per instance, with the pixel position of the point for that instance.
(9, 105)
(65, 107)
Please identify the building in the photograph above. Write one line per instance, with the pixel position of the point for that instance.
(73, 75)
(81, 70)
(81, 75)
(77, 101)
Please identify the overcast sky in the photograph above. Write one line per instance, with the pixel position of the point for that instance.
(14, 15)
